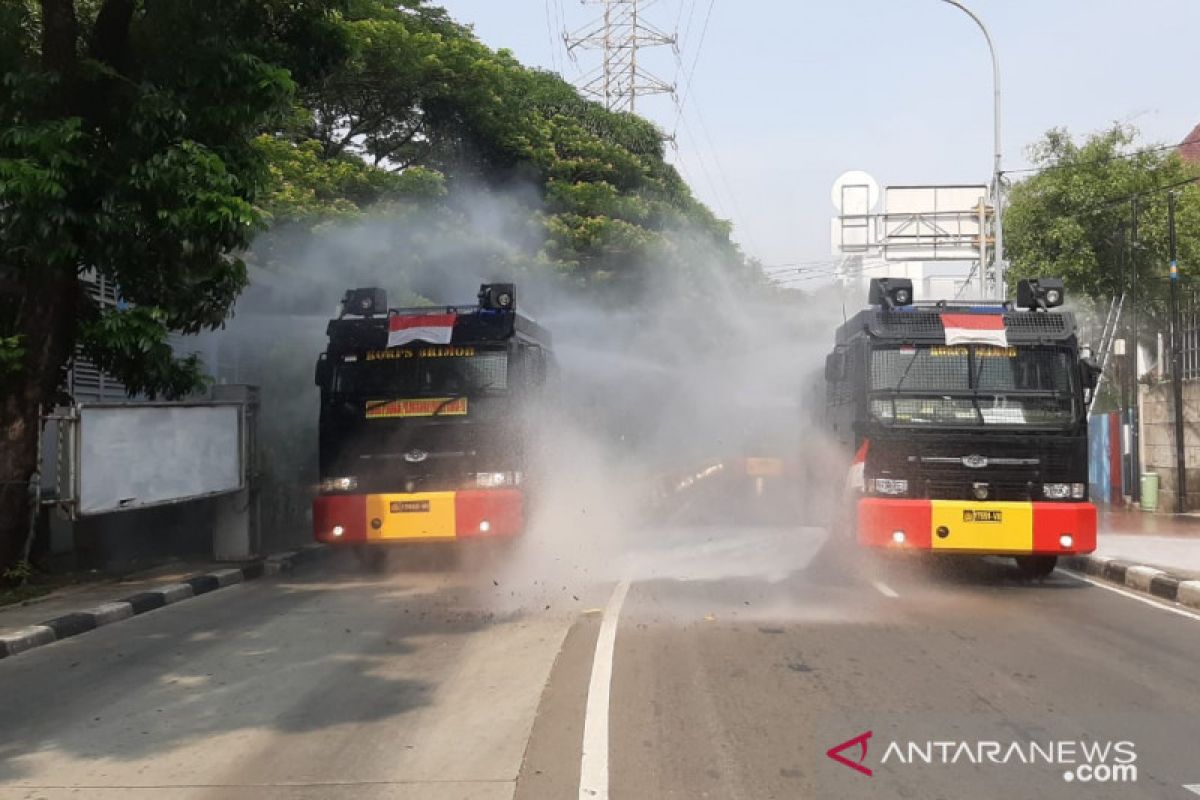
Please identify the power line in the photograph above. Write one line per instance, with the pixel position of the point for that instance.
(834, 270)
(687, 86)
(1116, 201)
(721, 208)
(679, 16)
(723, 192)
(827, 269)
(737, 206)
(1101, 161)
(967, 282)
(802, 266)
(561, 17)
(680, 103)
(550, 37)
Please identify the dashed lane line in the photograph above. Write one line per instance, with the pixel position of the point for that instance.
(593, 765)
(884, 589)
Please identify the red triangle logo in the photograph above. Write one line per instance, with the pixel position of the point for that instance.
(835, 753)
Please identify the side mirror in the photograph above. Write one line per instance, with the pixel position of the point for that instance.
(835, 366)
(323, 372)
(1089, 374)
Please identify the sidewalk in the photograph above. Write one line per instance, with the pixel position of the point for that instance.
(84, 607)
(69, 599)
(1165, 541)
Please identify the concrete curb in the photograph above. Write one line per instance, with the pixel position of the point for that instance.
(77, 622)
(1138, 577)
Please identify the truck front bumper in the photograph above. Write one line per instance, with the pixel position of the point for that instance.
(418, 516)
(996, 528)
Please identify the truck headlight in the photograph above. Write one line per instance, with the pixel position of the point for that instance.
(1064, 491)
(339, 485)
(496, 480)
(890, 486)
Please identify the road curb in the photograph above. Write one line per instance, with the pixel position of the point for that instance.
(76, 622)
(1139, 577)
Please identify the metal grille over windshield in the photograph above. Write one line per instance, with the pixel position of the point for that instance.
(972, 385)
(921, 369)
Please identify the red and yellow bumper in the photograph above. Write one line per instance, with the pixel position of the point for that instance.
(418, 516)
(996, 528)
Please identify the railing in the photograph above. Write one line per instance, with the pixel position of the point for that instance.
(1189, 327)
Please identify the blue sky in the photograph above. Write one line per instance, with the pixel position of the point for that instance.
(787, 95)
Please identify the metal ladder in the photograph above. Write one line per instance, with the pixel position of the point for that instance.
(1111, 323)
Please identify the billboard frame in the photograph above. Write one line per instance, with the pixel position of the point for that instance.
(71, 479)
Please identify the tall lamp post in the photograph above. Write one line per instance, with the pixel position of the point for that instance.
(998, 253)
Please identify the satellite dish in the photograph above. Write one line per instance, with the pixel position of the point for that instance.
(855, 192)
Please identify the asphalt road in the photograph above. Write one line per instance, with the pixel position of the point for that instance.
(741, 656)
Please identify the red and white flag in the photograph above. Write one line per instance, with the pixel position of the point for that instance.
(432, 328)
(975, 329)
(855, 476)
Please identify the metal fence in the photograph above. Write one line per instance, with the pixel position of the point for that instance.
(1189, 327)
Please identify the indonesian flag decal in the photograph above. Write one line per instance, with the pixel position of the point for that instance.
(855, 477)
(432, 328)
(975, 329)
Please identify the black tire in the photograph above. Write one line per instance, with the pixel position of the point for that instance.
(1034, 567)
(372, 559)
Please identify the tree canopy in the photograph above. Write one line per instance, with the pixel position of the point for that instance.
(1071, 219)
(420, 116)
(127, 133)
(164, 144)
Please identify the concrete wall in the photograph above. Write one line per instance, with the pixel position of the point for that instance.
(1158, 441)
(115, 541)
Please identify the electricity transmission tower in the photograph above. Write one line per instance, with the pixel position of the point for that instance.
(619, 34)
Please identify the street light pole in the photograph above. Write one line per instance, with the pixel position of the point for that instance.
(997, 173)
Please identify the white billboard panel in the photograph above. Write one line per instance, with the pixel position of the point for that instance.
(933, 223)
(144, 454)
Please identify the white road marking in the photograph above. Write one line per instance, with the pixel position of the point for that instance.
(1157, 603)
(593, 765)
(1194, 788)
(884, 589)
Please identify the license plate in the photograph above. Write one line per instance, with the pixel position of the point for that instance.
(764, 467)
(982, 516)
(409, 506)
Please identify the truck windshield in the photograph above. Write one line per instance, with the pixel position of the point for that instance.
(422, 371)
(973, 385)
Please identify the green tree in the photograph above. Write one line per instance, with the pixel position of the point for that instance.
(419, 91)
(1067, 219)
(127, 146)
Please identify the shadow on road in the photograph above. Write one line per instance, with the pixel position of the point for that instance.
(310, 652)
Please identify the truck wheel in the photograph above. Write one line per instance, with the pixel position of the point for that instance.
(373, 559)
(1033, 567)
